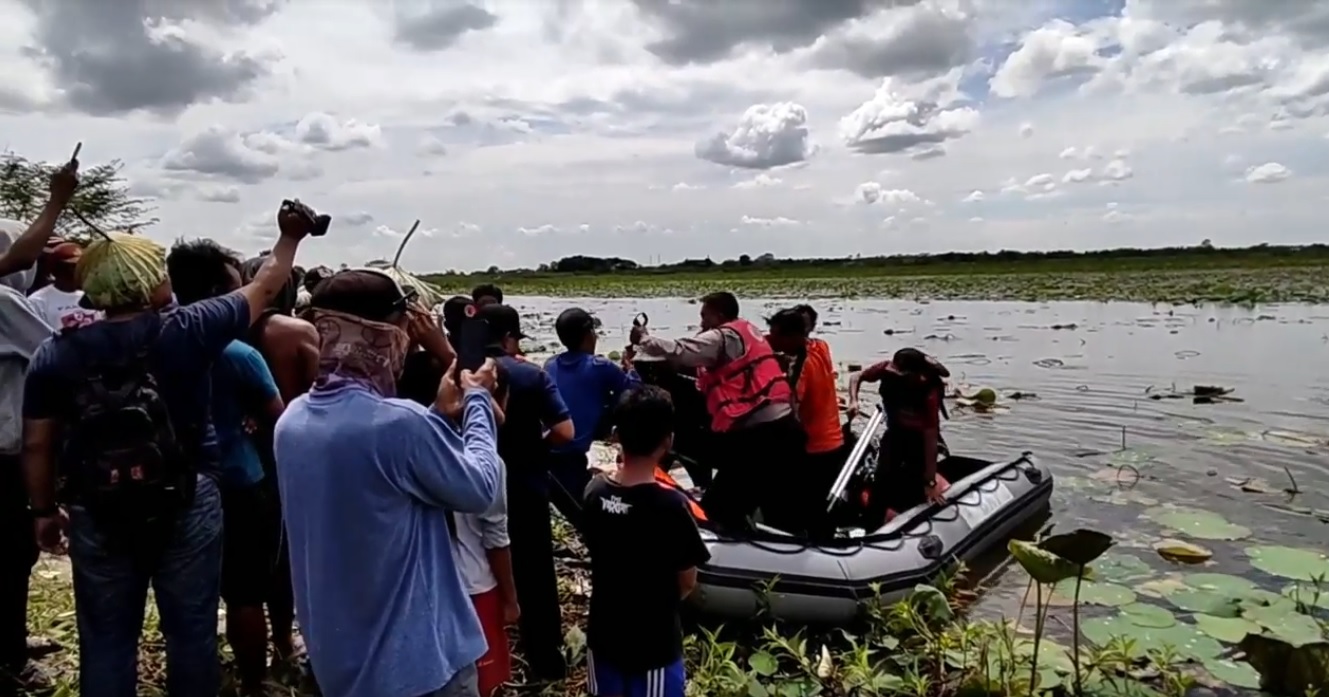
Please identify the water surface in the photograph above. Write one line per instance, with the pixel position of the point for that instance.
(1093, 368)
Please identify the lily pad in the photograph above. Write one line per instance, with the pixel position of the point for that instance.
(1229, 630)
(1182, 552)
(1233, 673)
(1292, 627)
(1146, 615)
(1122, 568)
(1046, 567)
(1205, 602)
(1080, 547)
(1095, 593)
(1184, 639)
(1227, 584)
(1160, 587)
(1290, 562)
(1196, 523)
(1286, 669)
(1306, 594)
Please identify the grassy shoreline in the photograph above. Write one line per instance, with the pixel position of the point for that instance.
(1247, 285)
(927, 645)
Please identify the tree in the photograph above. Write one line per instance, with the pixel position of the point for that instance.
(102, 198)
(744, 260)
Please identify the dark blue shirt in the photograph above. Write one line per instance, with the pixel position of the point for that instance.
(589, 384)
(190, 341)
(242, 386)
(534, 407)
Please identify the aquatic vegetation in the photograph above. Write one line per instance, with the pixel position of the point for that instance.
(1197, 523)
(1246, 286)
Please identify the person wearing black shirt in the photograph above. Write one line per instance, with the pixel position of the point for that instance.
(645, 549)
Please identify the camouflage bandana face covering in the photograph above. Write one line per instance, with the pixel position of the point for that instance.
(358, 350)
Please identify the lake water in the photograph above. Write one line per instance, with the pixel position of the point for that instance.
(1093, 376)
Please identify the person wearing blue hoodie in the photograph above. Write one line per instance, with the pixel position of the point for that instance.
(590, 386)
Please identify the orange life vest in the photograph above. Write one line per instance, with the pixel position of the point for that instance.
(663, 479)
(738, 387)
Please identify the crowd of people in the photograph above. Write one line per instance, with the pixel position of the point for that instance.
(306, 447)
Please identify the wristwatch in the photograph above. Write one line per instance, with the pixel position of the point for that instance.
(45, 512)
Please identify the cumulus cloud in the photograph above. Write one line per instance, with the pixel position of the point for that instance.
(767, 135)
(903, 117)
(778, 221)
(439, 24)
(1114, 215)
(702, 31)
(113, 58)
(430, 146)
(1267, 173)
(873, 192)
(219, 194)
(594, 115)
(325, 132)
(917, 40)
(761, 181)
(220, 152)
(1056, 50)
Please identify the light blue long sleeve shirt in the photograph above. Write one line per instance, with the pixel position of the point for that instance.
(366, 486)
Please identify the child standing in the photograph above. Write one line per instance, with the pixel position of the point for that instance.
(645, 549)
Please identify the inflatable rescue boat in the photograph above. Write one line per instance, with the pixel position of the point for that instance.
(827, 579)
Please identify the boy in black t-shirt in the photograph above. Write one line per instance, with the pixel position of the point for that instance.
(645, 550)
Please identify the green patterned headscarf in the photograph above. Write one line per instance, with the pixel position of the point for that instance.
(121, 272)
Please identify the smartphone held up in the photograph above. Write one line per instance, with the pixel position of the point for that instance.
(472, 341)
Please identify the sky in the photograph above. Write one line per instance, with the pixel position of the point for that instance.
(522, 131)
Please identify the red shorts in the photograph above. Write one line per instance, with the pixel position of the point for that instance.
(495, 667)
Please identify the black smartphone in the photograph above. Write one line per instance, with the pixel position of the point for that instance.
(318, 221)
(472, 342)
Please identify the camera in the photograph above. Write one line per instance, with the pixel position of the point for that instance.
(318, 222)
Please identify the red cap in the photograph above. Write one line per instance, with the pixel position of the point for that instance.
(65, 253)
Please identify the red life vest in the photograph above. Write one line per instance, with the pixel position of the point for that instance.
(738, 387)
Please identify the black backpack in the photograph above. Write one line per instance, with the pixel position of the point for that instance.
(129, 466)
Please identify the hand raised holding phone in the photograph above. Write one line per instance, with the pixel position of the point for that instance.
(64, 181)
(484, 377)
(456, 381)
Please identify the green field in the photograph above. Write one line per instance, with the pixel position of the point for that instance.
(1187, 276)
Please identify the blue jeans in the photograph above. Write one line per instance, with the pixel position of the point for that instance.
(110, 595)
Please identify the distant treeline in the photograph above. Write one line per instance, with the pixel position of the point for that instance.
(1204, 254)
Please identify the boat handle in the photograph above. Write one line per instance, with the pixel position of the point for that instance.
(931, 547)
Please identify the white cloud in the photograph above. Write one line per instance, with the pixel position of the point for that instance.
(903, 117)
(325, 132)
(685, 129)
(778, 221)
(761, 181)
(1267, 173)
(767, 135)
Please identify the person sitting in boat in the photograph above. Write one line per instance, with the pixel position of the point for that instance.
(749, 403)
(912, 387)
(817, 405)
